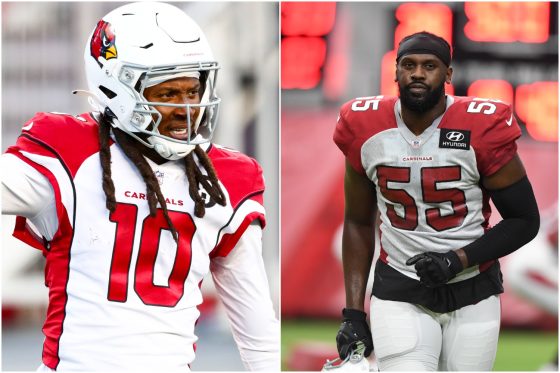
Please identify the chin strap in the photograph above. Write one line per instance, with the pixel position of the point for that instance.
(168, 149)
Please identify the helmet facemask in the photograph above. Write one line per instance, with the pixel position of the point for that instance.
(146, 119)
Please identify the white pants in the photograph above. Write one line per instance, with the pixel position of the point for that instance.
(408, 337)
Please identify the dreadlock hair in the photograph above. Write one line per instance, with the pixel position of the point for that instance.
(153, 192)
(196, 179)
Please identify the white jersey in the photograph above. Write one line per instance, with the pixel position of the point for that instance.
(122, 294)
(428, 186)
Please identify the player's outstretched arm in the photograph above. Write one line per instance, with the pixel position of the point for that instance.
(358, 244)
(242, 285)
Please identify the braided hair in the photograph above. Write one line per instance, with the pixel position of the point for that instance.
(194, 174)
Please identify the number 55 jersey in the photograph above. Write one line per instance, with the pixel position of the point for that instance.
(123, 295)
(429, 193)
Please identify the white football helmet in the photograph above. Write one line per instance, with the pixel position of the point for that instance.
(140, 45)
(355, 361)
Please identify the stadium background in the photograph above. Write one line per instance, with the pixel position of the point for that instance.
(333, 52)
(42, 62)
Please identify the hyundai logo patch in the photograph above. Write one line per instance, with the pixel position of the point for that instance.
(454, 139)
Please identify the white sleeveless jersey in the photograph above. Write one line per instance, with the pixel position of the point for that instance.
(428, 186)
(122, 294)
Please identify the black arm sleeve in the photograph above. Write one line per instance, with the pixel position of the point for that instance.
(520, 224)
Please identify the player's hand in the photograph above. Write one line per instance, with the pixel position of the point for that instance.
(435, 269)
(354, 328)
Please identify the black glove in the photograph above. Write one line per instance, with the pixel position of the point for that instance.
(435, 269)
(353, 329)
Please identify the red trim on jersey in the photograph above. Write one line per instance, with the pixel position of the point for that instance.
(46, 173)
(228, 241)
(240, 174)
(354, 128)
(500, 158)
(24, 233)
(57, 271)
(242, 178)
(486, 210)
(58, 257)
(383, 255)
(492, 138)
(79, 138)
(26, 143)
(198, 318)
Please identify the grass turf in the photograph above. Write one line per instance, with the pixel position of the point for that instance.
(517, 350)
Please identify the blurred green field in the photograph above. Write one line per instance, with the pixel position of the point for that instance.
(517, 350)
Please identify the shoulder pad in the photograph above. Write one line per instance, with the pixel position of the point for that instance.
(483, 110)
(67, 137)
(360, 119)
(369, 104)
(241, 175)
(493, 129)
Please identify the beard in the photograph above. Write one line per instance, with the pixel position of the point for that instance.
(424, 102)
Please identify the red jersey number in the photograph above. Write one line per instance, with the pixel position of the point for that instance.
(432, 194)
(430, 177)
(125, 216)
(386, 174)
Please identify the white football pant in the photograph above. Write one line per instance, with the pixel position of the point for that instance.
(407, 337)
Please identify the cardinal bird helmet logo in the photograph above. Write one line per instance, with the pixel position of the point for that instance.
(103, 42)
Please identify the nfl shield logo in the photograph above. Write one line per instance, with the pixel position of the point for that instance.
(159, 175)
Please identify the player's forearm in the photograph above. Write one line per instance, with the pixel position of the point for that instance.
(358, 246)
(520, 224)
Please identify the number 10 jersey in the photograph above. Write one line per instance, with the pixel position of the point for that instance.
(123, 295)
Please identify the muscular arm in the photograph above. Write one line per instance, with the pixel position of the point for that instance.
(513, 196)
(358, 240)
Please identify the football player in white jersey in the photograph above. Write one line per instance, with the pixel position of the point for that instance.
(132, 205)
(428, 163)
